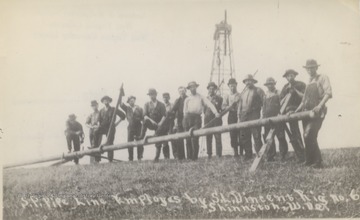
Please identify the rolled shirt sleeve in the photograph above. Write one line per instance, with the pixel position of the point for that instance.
(326, 86)
(208, 103)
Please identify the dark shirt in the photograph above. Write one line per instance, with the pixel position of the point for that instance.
(155, 111)
(217, 102)
(295, 99)
(73, 127)
(133, 115)
(271, 105)
(178, 108)
(106, 116)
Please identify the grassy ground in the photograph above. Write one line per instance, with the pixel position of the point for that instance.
(171, 189)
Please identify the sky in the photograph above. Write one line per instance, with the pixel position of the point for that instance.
(57, 56)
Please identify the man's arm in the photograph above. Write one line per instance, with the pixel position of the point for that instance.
(88, 122)
(211, 106)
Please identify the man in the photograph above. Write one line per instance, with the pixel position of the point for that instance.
(105, 122)
(232, 100)
(295, 90)
(249, 108)
(271, 108)
(169, 123)
(134, 115)
(318, 91)
(216, 100)
(74, 135)
(93, 123)
(178, 111)
(193, 107)
(154, 114)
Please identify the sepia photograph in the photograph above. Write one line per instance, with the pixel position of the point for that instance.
(170, 109)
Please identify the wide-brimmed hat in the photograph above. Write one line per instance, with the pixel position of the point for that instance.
(166, 94)
(94, 103)
(152, 91)
(130, 97)
(269, 81)
(192, 83)
(290, 71)
(232, 81)
(72, 116)
(212, 84)
(106, 98)
(250, 77)
(311, 63)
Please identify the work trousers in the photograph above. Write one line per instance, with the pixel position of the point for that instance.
(166, 151)
(295, 131)
(73, 139)
(134, 130)
(209, 138)
(95, 141)
(192, 144)
(247, 133)
(283, 146)
(110, 141)
(312, 150)
(178, 145)
(235, 134)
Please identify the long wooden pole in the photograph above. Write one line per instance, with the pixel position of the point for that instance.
(176, 136)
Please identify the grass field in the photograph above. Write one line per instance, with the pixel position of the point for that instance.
(219, 188)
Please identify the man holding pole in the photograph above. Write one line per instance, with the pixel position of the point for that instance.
(74, 135)
(232, 100)
(251, 101)
(169, 123)
(318, 91)
(154, 115)
(178, 111)
(216, 100)
(193, 107)
(271, 108)
(107, 122)
(291, 96)
(93, 123)
(134, 115)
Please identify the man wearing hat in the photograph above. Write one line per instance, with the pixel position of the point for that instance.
(178, 111)
(295, 90)
(271, 108)
(154, 114)
(74, 134)
(193, 108)
(134, 116)
(105, 122)
(251, 101)
(232, 99)
(318, 91)
(216, 100)
(93, 123)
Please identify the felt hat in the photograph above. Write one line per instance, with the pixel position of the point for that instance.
(290, 71)
(152, 91)
(250, 77)
(270, 80)
(311, 63)
(166, 94)
(232, 81)
(212, 84)
(106, 98)
(94, 103)
(192, 83)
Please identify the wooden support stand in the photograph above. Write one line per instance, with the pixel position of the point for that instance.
(264, 149)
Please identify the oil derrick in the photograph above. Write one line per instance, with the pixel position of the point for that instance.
(222, 68)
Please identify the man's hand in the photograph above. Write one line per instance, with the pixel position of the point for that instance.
(78, 133)
(217, 115)
(317, 109)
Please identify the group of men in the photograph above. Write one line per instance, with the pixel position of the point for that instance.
(186, 113)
